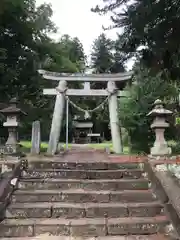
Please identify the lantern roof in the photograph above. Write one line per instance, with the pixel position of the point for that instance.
(12, 108)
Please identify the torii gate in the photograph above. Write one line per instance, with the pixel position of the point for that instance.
(62, 91)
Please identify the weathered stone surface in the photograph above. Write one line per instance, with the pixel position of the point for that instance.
(17, 228)
(52, 226)
(132, 196)
(84, 174)
(83, 196)
(29, 210)
(36, 138)
(103, 184)
(37, 196)
(50, 183)
(133, 184)
(77, 195)
(16, 231)
(65, 210)
(80, 210)
(55, 163)
(88, 227)
(83, 199)
(144, 209)
(47, 236)
(124, 226)
(106, 210)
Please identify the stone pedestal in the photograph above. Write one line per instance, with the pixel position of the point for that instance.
(57, 119)
(159, 125)
(160, 147)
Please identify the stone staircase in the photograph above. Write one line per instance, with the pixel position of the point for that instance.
(91, 200)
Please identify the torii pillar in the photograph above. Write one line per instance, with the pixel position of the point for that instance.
(57, 119)
(114, 119)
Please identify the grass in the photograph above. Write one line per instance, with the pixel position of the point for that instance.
(27, 146)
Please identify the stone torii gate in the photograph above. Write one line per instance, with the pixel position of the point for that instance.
(62, 92)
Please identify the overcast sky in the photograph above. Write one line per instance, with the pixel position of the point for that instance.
(74, 17)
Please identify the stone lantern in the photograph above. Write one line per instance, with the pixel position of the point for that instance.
(159, 125)
(12, 114)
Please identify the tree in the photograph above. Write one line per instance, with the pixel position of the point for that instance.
(67, 55)
(24, 41)
(106, 57)
(101, 55)
(101, 62)
(152, 24)
(24, 48)
(134, 109)
(73, 50)
(118, 59)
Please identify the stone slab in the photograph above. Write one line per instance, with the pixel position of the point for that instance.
(83, 227)
(84, 174)
(132, 196)
(81, 195)
(17, 228)
(47, 236)
(29, 210)
(80, 210)
(36, 138)
(103, 184)
(88, 227)
(135, 225)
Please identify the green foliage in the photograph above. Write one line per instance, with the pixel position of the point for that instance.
(67, 55)
(134, 109)
(25, 46)
(101, 56)
(177, 120)
(58, 59)
(106, 56)
(23, 40)
(175, 146)
(151, 24)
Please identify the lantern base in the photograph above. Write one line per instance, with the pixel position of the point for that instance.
(161, 150)
(10, 149)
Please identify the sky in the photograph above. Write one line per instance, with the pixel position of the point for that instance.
(74, 17)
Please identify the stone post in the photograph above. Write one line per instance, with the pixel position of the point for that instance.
(57, 119)
(159, 125)
(12, 114)
(36, 138)
(114, 120)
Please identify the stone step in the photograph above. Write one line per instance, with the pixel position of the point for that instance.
(83, 227)
(86, 184)
(47, 236)
(82, 196)
(49, 163)
(79, 210)
(83, 174)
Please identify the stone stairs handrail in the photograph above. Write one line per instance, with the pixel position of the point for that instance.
(8, 181)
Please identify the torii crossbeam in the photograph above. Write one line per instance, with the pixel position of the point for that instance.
(84, 92)
(116, 77)
(63, 91)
